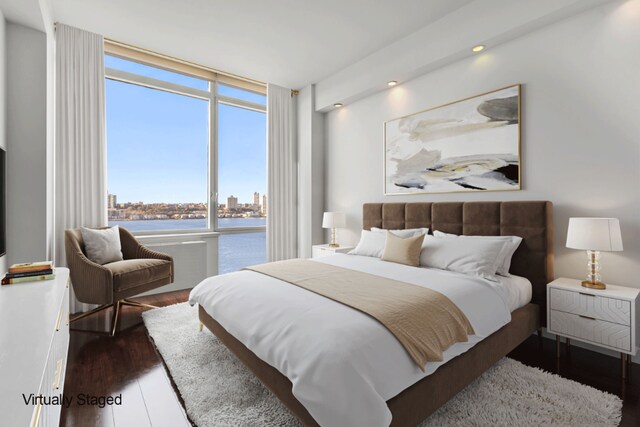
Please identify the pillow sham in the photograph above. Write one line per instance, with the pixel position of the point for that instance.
(474, 257)
(504, 260)
(102, 246)
(370, 244)
(404, 233)
(403, 250)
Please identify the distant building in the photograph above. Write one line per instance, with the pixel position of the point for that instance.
(256, 200)
(232, 202)
(263, 208)
(111, 201)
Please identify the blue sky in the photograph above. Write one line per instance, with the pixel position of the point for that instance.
(157, 142)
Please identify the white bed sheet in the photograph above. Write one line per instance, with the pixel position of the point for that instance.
(519, 290)
(343, 364)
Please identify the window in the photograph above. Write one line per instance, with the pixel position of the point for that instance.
(238, 250)
(175, 140)
(115, 63)
(242, 167)
(157, 167)
(245, 95)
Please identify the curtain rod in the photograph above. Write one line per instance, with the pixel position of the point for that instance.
(193, 64)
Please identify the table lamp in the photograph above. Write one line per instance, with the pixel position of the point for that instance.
(594, 235)
(334, 220)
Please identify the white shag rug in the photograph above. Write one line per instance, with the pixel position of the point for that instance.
(218, 390)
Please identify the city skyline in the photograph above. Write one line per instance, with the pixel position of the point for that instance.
(140, 211)
(113, 199)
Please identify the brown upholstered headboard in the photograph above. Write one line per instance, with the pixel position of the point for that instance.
(531, 220)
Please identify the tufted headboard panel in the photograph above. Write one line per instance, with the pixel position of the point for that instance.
(531, 220)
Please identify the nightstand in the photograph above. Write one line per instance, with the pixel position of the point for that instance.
(318, 251)
(604, 318)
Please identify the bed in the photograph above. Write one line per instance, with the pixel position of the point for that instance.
(531, 220)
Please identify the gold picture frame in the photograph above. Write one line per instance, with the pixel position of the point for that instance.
(469, 145)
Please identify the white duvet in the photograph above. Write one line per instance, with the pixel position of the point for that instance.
(343, 364)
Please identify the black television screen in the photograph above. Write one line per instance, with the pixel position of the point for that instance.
(3, 204)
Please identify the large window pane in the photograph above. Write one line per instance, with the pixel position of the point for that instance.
(236, 251)
(154, 72)
(157, 158)
(242, 174)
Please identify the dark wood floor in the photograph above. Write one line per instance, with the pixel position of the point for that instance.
(129, 364)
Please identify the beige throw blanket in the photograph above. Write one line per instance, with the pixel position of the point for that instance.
(424, 321)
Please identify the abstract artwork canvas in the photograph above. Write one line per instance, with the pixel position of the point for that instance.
(468, 145)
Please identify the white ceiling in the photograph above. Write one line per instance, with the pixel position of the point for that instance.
(31, 13)
(288, 42)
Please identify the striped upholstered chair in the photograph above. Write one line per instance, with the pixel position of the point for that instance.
(111, 284)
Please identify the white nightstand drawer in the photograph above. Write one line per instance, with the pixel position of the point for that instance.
(593, 330)
(586, 304)
(319, 251)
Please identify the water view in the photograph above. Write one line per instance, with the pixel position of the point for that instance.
(187, 224)
(235, 251)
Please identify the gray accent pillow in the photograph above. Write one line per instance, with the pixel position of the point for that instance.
(102, 246)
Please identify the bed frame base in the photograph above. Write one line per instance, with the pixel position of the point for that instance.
(420, 400)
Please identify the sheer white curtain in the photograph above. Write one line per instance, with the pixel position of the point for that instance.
(282, 164)
(80, 145)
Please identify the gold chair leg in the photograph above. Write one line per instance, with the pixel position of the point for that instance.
(116, 307)
(201, 326)
(89, 313)
(137, 304)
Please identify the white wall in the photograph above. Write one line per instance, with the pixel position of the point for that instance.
(443, 42)
(3, 110)
(580, 134)
(50, 136)
(310, 135)
(26, 101)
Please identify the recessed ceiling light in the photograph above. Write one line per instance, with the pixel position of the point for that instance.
(392, 82)
(337, 105)
(478, 48)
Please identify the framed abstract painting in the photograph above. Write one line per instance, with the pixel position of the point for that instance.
(467, 145)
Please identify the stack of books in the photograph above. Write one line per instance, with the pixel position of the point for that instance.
(29, 272)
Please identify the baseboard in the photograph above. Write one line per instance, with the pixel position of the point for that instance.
(575, 342)
(167, 288)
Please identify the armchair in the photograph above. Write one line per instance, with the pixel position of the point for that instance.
(111, 284)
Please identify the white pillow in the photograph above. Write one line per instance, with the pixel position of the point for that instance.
(102, 246)
(475, 257)
(504, 260)
(404, 233)
(370, 244)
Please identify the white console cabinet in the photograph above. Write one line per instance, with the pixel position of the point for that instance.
(34, 342)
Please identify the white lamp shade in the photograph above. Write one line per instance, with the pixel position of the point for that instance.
(595, 234)
(334, 220)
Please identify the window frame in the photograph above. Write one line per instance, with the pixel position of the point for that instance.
(214, 99)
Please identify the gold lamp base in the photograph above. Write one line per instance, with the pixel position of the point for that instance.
(593, 285)
(333, 243)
